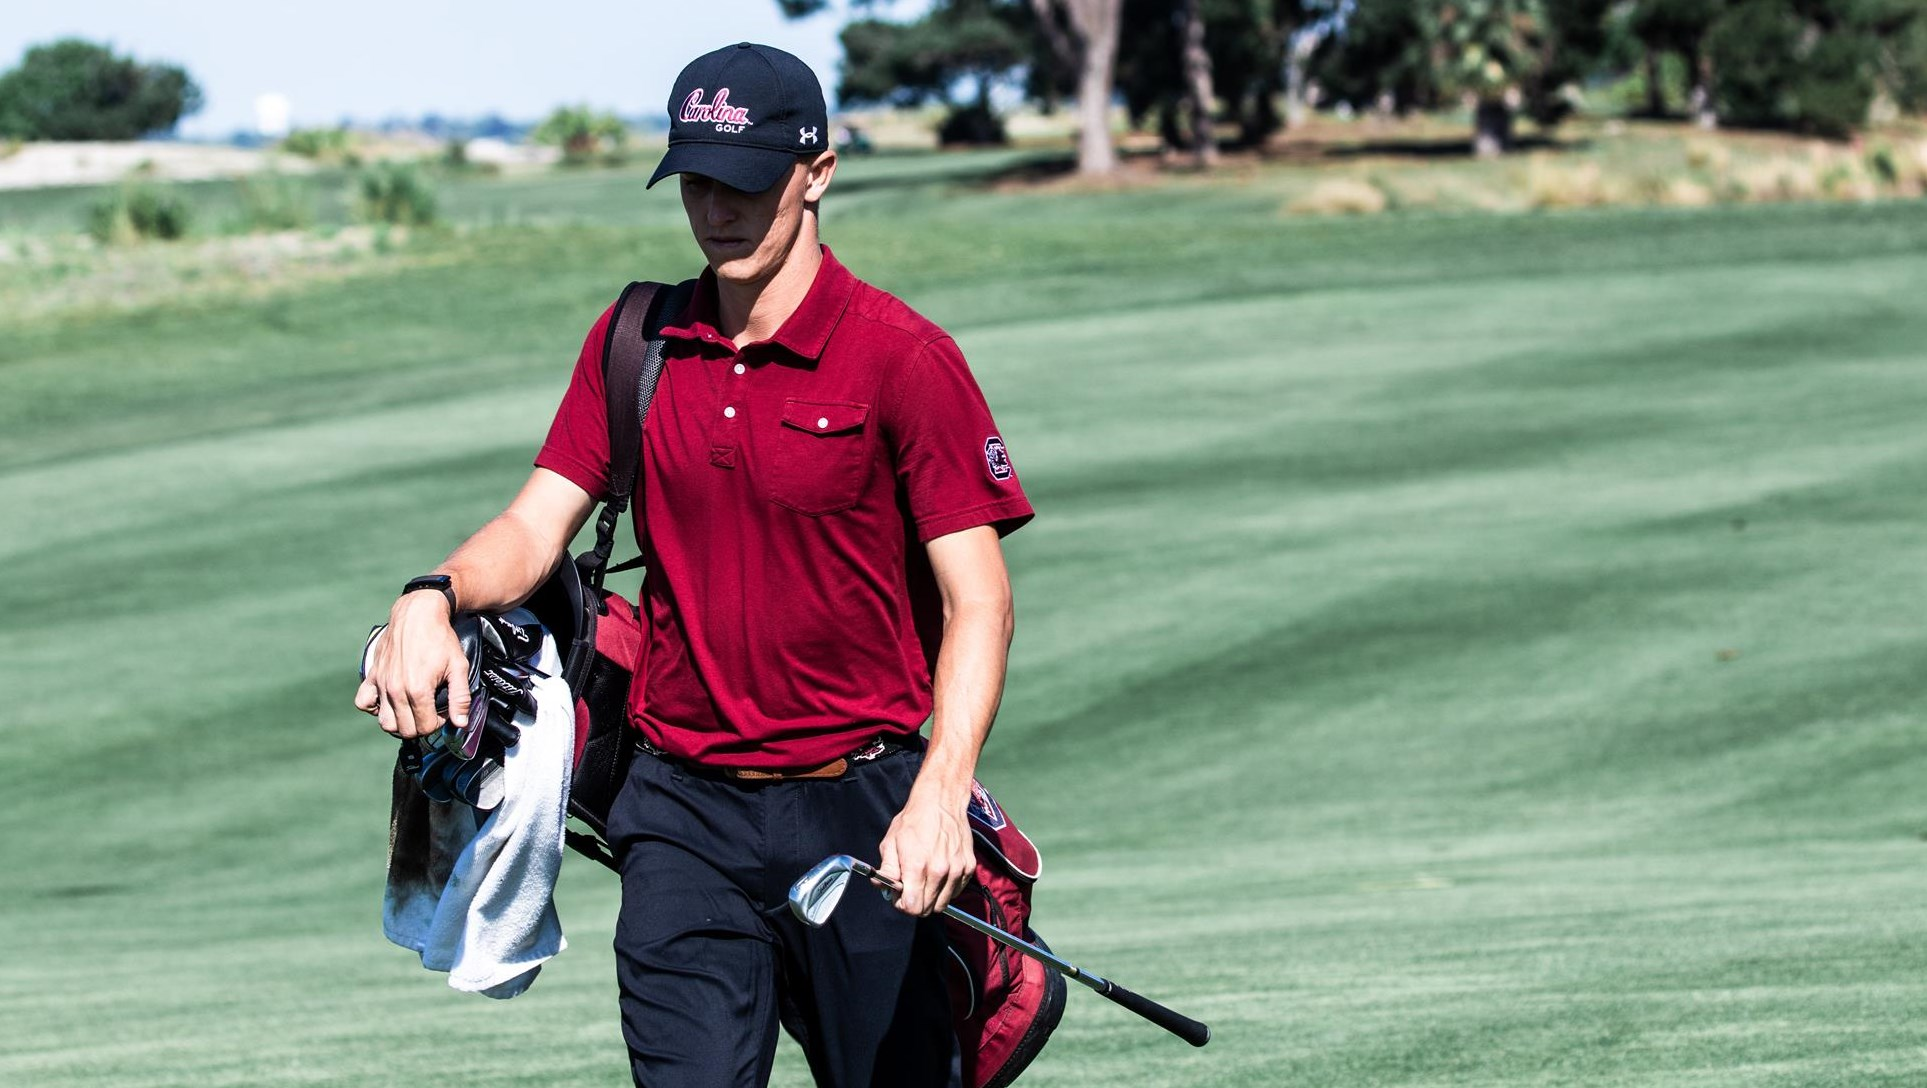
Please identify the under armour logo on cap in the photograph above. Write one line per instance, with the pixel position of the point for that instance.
(808, 136)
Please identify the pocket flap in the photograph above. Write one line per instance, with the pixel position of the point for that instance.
(824, 417)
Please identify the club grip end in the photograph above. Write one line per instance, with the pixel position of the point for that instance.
(1191, 1031)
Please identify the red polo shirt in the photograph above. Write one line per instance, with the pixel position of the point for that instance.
(786, 491)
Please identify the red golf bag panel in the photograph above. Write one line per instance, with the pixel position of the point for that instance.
(602, 702)
(1004, 1005)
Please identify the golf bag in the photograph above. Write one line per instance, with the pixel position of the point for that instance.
(1004, 1005)
(600, 632)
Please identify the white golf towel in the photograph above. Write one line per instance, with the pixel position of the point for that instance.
(479, 902)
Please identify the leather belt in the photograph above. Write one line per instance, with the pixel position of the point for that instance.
(835, 768)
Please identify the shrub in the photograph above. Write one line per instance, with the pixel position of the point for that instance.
(1884, 165)
(1836, 85)
(139, 211)
(1549, 185)
(1341, 196)
(1897, 167)
(1775, 68)
(320, 144)
(396, 193)
(1708, 155)
(1777, 179)
(273, 201)
(77, 90)
(1905, 67)
(972, 126)
(1847, 181)
(584, 135)
(1755, 52)
(1687, 193)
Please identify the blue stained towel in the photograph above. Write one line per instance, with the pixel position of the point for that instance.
(478, 902)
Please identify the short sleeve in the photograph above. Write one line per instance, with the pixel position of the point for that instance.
(578, 444)
(951, 460)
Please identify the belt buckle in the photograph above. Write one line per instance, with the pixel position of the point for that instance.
(873, 750)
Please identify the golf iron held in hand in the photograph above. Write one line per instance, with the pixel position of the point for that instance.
(814, 896)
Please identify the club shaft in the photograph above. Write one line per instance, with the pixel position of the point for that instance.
(1008, 940)
(1178, 1024)
(1191, 1031)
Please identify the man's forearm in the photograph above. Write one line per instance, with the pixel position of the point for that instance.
(968, 686)
(507, 559)
(500, 566)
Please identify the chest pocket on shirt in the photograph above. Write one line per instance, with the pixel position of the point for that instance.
(817, 460)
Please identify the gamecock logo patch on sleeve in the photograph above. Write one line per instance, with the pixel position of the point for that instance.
(997, 458)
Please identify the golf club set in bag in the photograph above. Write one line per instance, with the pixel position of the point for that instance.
(1007, 988)
(464, 763)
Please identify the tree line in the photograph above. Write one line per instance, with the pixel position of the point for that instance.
(1196, 69)
(1202, 73)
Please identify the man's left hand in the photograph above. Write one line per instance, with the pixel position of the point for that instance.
(929, 851)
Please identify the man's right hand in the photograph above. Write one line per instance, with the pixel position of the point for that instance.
(417, 655)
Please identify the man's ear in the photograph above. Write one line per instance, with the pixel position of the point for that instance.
(821, 170)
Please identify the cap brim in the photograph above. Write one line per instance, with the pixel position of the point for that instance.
(750, 169)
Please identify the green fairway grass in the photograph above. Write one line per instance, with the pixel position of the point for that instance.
(1452, 651)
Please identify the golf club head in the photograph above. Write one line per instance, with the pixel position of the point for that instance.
(814, 896)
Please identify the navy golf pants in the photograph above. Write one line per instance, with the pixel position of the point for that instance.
(708, 953)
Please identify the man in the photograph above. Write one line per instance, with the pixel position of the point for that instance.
(821, 497)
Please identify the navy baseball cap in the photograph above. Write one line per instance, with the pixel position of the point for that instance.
(741, 115)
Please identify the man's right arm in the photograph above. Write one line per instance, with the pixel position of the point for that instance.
(496, 569)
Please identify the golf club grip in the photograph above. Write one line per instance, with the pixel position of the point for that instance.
(1176, 1023)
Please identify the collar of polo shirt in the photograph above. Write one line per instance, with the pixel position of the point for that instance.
(803, 334)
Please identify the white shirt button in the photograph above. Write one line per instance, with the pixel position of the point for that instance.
(822, 422)
(740, 368)
(729, 413)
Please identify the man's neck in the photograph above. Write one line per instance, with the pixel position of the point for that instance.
(748, 312)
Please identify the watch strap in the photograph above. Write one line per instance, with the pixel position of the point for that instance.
(440, 582)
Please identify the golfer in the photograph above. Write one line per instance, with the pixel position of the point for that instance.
(821, 497)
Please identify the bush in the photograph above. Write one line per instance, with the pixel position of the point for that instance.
(1904, 65)
(139, 211)
(320, 144)
(1755, 53)
(1777, 179)
(1774, 69)
(1341, 196)
(972, 126)
(77, 90)
(1836, 85)
(1884, 165)
(396, 193)
(273, 201)
(584, 136)
(1555, 185)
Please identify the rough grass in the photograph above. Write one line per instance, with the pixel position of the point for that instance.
(1452, 650)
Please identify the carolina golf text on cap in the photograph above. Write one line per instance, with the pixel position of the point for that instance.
(741, 115)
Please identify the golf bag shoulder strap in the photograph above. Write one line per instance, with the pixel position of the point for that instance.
(632, 352)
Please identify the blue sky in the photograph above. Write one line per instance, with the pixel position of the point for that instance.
(371, 59)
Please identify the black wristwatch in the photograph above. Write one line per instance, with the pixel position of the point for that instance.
(433, 581)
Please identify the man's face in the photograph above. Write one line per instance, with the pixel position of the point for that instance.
(747, 236)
